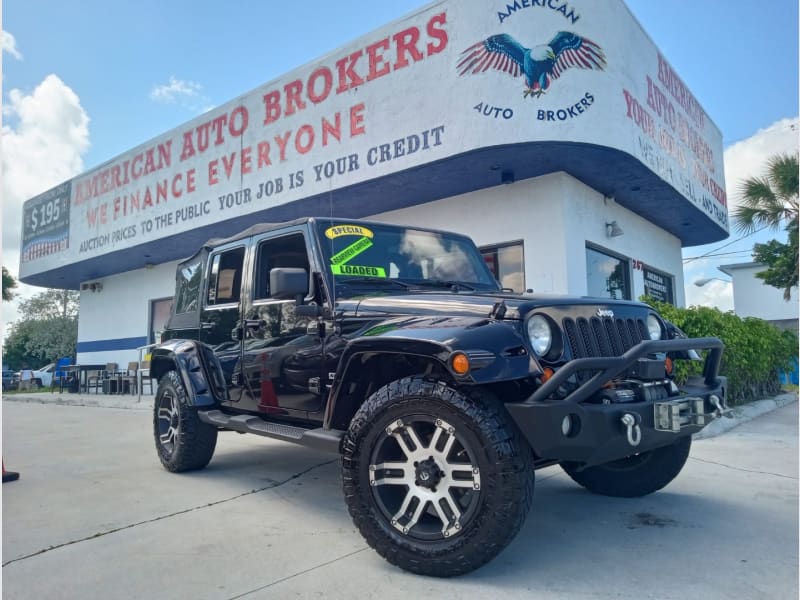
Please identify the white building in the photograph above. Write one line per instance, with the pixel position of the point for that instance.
(583, 173)
(753, 298)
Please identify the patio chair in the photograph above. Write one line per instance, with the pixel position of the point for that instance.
(128, 378)
(110, 378)
(94, 379)
(144, 376)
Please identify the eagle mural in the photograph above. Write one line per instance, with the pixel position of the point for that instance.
(540, 64)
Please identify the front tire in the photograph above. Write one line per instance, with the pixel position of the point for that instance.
(636, 475)
(437, 480)
(183, 441)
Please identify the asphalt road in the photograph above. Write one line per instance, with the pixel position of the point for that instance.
(95, 516)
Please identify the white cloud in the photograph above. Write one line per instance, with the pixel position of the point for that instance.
(716, 292)
(186, 94)
(748, 158)
(42, 148)
(10, 45)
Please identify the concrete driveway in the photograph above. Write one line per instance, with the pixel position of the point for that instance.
(95, 516)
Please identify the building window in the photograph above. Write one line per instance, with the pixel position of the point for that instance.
(607, 275)
(658, 285)
(159, 315)
(506, 262)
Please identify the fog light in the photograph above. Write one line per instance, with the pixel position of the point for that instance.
(566, 425)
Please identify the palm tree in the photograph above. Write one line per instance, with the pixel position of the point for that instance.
(772, 201)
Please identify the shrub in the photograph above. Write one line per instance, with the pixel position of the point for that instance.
(755, 350)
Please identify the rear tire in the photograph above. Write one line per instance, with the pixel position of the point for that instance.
(183, 441)
(437, 479)
(636, 475)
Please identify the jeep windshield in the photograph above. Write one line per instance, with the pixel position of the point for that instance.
(372, 254)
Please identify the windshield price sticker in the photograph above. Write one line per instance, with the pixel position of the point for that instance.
(341, 230)
(351, 251)
(358, 270)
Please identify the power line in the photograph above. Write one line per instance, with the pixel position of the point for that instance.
(687, 260)
(719, 254)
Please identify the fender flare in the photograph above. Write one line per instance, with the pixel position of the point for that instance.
(196, 365)
(488, 366)
(376, 346)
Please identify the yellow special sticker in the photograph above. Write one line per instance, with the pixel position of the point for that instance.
(358, 270)
(340, 230)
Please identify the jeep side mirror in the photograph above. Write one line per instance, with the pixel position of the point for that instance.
(288, 282)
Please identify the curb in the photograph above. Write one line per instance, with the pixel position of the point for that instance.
(129, 403)
(745, 413)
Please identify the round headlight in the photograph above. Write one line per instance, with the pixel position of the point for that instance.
(540, 334)
(653, 327)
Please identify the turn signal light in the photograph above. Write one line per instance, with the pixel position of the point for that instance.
(547, 374)
(460, 363)
(668, 366)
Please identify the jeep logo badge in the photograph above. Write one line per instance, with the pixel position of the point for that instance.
(604, 312)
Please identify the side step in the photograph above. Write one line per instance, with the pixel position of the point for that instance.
(319, 438)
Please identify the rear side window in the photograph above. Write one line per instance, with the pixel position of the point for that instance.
(225, 278)
(187, 288)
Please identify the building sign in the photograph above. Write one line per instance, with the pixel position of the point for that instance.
(658, 286)
(453, 78)
(45, 223)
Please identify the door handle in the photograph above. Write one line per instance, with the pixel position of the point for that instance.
(254, 323)
(206, 325)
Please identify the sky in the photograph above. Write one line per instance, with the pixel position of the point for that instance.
(85, 81)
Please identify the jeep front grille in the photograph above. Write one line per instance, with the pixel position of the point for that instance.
(603, 337)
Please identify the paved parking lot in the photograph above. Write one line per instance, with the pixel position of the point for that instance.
(95, 516)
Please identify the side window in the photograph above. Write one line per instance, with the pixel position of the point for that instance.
(225, 278)
(287, 251)
(188, 287)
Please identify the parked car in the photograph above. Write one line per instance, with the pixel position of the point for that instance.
(10, 380)
(43, 377)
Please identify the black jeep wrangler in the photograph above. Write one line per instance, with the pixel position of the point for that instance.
(395, 347)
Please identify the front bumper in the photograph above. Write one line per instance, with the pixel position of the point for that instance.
(600, 433)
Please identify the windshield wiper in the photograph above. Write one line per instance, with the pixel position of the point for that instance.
(379, 280)
(454, 286)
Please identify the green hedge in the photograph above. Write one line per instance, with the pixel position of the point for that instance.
(755, 351)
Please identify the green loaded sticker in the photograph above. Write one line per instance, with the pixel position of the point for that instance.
(352, 250)
(358, 270)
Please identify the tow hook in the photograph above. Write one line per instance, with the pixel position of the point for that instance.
(722, 408)
(631, 422)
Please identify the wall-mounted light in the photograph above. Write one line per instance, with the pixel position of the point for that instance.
(705, 280)
(613, 230)
(92, 286)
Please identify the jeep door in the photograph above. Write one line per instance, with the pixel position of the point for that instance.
(219, 314)
(281, 352)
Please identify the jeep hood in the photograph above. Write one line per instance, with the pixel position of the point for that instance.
(476, 304)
